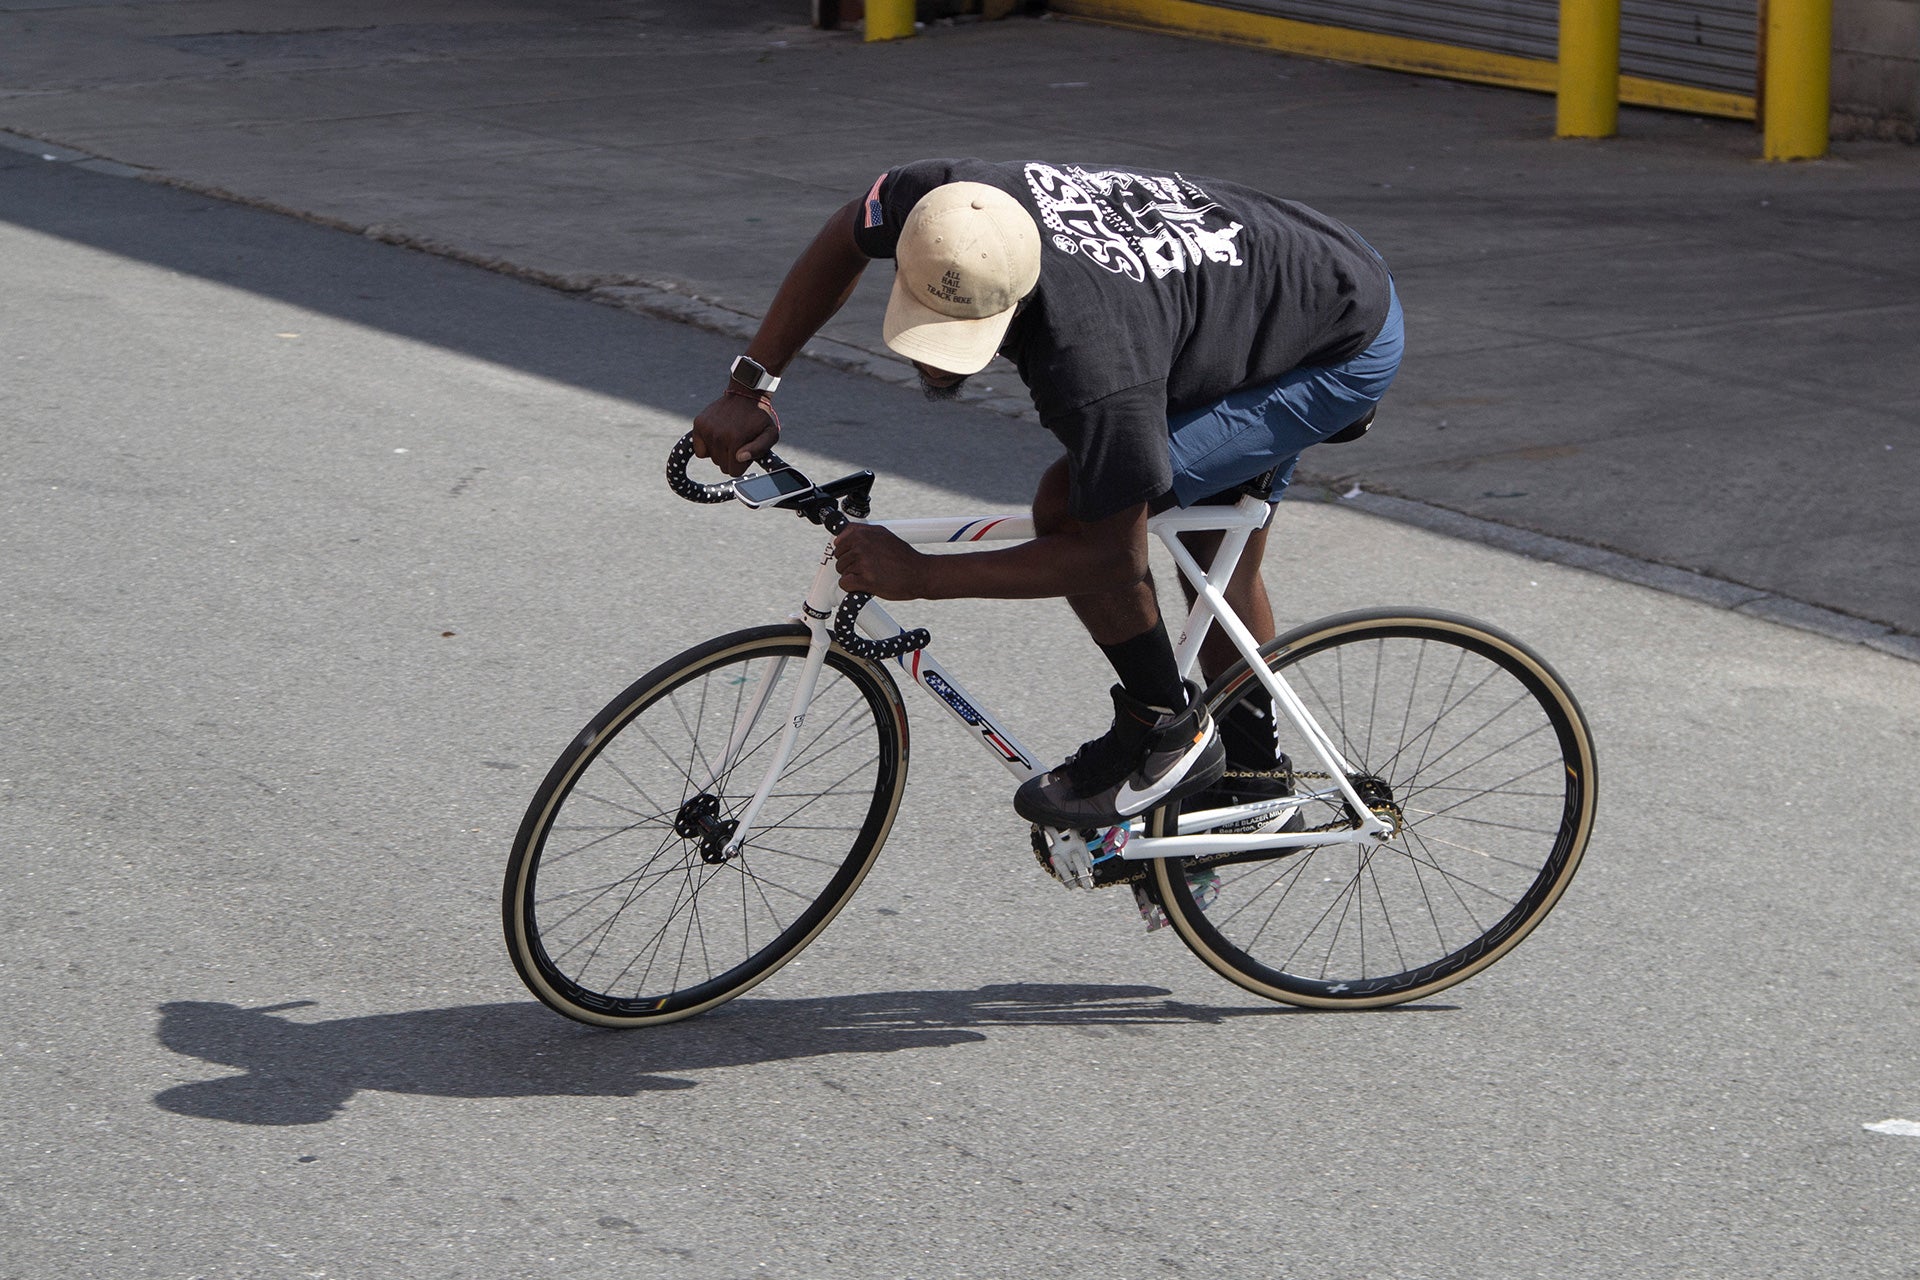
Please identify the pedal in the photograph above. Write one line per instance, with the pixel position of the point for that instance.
(1064, 856)
(1151, 912)
(1204, 884)
(1085, 859)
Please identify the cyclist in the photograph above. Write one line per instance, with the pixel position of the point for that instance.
(1183, 338)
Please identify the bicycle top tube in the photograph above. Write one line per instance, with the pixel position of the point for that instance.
(834, 504)
(850, 495)
(1017, 526)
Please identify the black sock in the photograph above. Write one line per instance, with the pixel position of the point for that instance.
(1247, 731)
(1146, 668)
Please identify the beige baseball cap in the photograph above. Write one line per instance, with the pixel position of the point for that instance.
(968, 253)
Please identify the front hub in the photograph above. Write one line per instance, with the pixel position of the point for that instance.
(699, 820)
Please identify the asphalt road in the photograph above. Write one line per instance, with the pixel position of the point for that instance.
(317, 550)
(1691, 369)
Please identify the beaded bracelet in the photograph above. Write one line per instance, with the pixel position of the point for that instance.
(762, 398)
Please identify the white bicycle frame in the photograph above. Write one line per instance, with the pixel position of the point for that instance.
(1236, 523)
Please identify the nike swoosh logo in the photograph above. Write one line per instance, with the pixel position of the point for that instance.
(1128, 802)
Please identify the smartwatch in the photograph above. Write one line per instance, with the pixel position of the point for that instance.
(750, 374)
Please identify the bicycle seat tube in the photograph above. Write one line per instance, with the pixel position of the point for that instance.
(1210, 606)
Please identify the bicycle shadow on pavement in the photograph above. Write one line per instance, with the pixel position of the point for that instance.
(306, 1072)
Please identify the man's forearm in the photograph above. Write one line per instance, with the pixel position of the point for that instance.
(732, 430)
(1046, 566)
(817, 286)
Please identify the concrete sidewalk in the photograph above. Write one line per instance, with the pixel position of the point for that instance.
(1655, 356)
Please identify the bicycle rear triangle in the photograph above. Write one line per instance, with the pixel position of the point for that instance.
(718, 813)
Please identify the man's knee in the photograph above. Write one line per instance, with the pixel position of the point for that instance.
(1051, 512)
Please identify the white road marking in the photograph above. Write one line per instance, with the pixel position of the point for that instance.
(1899, 1128)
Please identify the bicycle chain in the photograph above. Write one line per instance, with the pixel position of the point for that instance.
(1115, 871)
(1338, 824)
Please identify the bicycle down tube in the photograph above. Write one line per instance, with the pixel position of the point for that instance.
(822, 598)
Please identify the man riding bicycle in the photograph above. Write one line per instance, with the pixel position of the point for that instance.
(1183, 338)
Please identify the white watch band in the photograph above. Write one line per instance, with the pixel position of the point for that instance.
(749, 373)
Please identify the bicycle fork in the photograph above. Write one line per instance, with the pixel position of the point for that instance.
(817, 611)
(817, 614)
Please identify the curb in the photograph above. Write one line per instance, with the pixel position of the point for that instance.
(1719, 592)
(669, 300)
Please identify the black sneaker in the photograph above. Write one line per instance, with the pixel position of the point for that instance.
(1244, 784)
(1151, 756)
(1257, 770)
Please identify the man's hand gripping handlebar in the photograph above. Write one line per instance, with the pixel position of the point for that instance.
(833, 505)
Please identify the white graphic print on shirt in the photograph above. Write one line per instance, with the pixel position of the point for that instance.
(1131, 223)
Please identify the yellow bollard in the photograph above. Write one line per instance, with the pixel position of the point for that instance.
(889, 19)
(1588, 102)
(1798, 79)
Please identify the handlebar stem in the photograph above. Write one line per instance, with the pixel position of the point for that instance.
(823, 506)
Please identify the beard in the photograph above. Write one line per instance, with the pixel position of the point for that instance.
(933, 391)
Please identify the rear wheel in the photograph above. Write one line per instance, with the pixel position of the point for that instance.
(622, 905)
(1464, 738)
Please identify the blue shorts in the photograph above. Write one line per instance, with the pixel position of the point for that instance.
(1259, 429)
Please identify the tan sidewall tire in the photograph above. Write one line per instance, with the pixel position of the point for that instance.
(1317, 635)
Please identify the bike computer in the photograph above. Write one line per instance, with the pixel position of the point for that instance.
(770, 486)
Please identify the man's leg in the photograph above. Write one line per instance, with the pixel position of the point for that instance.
(1246, 592)
(1252, 433)
(1162, 745)
(1125, 623)
(1256, 769)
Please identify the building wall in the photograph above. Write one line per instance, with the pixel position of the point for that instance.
(1876, 69)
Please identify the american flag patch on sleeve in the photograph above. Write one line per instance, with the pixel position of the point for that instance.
(876, 213)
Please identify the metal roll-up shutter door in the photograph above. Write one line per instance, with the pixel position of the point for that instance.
(1708, 44)
(1705, 44)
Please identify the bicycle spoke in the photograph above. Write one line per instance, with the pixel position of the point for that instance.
(635, 921)
(1469, 753)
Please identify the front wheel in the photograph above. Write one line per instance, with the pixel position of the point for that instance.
(1470, 743)
(623, 906)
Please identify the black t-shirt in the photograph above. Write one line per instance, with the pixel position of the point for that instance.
(1158, 294)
